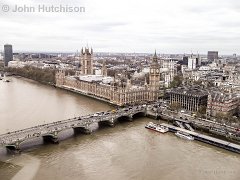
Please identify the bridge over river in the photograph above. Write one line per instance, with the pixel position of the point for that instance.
(49, 132)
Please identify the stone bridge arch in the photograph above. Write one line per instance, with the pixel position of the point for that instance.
(139, 114)
(51, 137)
(124, 118)
(15, 147)
(82, 130)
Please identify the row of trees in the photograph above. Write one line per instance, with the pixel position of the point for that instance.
(177, 81)
(227, 118)
(37, 74)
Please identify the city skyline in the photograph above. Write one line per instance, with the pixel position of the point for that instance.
(103, 89)
(125, 27)
(159, 53)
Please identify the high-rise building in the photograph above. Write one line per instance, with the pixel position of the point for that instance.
(86, 61)
(8, 54)
(185, 60)
(212, 55)
(192, 62)
(199, 60)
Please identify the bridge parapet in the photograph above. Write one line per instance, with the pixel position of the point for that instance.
(50, 131)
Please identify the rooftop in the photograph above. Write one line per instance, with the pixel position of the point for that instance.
(189, 91)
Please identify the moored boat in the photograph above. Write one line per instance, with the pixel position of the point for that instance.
(156, 127)
(184, 135)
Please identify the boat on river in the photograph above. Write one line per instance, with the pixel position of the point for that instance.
(184, 135)
(156, 127)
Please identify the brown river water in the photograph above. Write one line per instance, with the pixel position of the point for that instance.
(127, 151)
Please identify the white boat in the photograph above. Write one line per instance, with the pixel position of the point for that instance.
(184, 135)
(7, 80)
(156, 127)
(163, 129)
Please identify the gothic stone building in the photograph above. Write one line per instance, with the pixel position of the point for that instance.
(108, 88)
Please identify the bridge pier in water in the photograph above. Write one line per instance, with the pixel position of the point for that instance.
(14, 147)
(128, 118)
(51, 138)
(110, 123)
(82, 130)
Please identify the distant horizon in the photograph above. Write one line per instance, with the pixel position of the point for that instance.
(169, 26)
(149, 53)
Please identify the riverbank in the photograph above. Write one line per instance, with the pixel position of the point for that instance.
(45, 76)
(29, 103)
(68, 89)
(109, 152)
(206, 126)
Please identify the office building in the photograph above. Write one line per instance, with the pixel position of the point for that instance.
(189, 98)
(192, 63)
(8, 54)
(212, 55)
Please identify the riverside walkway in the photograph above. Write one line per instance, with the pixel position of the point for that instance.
(206, 139)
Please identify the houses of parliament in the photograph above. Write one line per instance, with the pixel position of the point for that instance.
(110, 89)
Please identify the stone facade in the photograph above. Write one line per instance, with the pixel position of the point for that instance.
(222, 103)
(191, 99)
(168, 71)
(86, 61)
(112, 92)
(104, 69)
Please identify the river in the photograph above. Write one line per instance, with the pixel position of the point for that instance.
(127, 151)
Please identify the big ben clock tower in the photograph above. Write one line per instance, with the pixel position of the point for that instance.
(154, 75)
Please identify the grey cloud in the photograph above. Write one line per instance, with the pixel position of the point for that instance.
(100, 26)
(198, 24)
(232, 23)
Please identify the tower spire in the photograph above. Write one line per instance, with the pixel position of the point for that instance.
(155, 57)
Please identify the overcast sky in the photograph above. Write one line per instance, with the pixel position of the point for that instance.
(169, 26)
